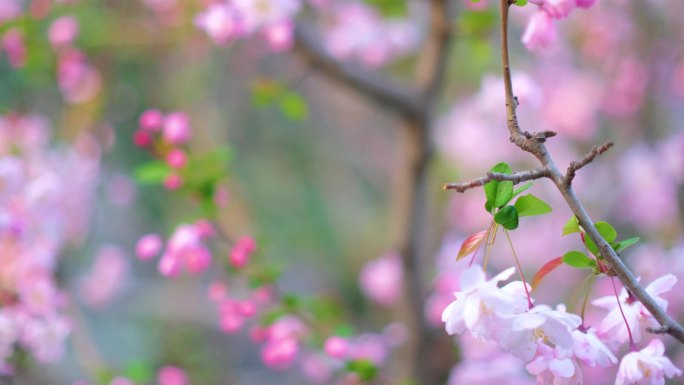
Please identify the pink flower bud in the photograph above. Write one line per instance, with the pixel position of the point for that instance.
(171, 375)
(63, 31)
(258, 334)
(176, 158)
(336, 347)
(142, 139)
(540, 31)
(262, 295)
(380, 279)
(173, 181)
(151, 120)
(148, 246)
(177, 128)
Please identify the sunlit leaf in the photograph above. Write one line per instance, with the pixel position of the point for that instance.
(571, 226)
(151, 172)
(529, 205)
(607, 232)
(499, 193)
(626, 243)
(578, 259)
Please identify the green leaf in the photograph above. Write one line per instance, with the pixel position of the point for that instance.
(139, 372)
(529, 205)
(294, 107)
(625, 244)
(521, 3)
(607, 232)
(571, 226)
(365, 369)
(151, 172)
(499, 193)
(507, 217)
(390, 8)
(266, 93)
(579, 260)
(522, 189)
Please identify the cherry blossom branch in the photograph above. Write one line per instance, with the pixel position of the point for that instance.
(574, 166)
(564, 184)
(516, 178)
(373, 85)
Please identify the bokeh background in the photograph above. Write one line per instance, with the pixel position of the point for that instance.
(317, 170)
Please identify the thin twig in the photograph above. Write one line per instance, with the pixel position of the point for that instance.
(517, 177)
(574, 166)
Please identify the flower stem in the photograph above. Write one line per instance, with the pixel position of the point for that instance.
(522, 276)
(632, 345)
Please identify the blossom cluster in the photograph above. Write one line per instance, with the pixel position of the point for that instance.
(350, 30)
(554, 342)
(44, 205)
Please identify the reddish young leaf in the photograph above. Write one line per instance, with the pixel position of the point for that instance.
(471, 244)
(546, 269)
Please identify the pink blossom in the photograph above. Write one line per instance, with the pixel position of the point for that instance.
(591, 350)
(63, 31)
(540, 31)
(176, 158)
(177, 128)
(260, 13)
(316, 367)
(221, 22)
(523, 332)
(151, 120)
(13, 44)
(381, 278)
(240, 253)
(142, 139)
(280, 354)
(44, 337)
(231, 322)
(369, 346)
(648, 364)
(78, 80)
(185, 250)
(336, 347)
(554, 367)
(279, 35)
(171, 375)
(559, 9)
(478, 299)
(173, 181)
(9, 9)
(106, 278)
(148, 246)
(613, 326)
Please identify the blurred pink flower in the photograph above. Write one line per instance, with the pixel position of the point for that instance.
(151, 120)
(173, 181)
(148, 246)
(106, 278)
(280, 354)
(171, 375)
(381, 278)
(280, 35)
(177, 128)
(63, 31)
(13, 44)
(240, 253)
(336, 347)
(176, 158)
(78, 80)
(540, 31)
(184, 250)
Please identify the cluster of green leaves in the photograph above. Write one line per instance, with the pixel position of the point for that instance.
(500, 193)
(291, 104)
(580, 259)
